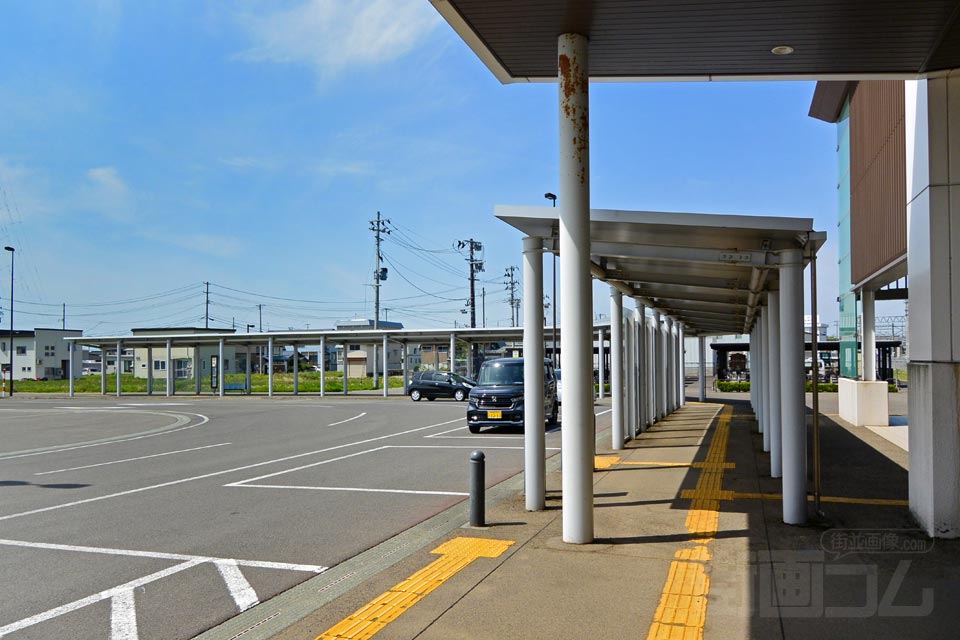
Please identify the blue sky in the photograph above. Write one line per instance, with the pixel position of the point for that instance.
(147, 147)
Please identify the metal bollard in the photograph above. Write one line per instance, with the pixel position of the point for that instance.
(477, 489)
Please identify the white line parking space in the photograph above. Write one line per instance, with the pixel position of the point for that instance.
(217, 473)
(123, 618)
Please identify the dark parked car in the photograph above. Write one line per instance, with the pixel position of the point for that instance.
(439, 384)
(498, 397)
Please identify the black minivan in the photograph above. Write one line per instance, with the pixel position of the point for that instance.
(439, 384)
(498, 397)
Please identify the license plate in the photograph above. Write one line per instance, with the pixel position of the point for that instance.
(494, 415)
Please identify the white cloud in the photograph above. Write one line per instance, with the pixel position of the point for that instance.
(330, 169)
(332, 35)
(248, 162)
(24, 193)
(107, 193)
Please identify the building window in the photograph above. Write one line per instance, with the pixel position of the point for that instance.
(427, 348)
(159, 365)
(354, 347)
(444, 348)
(21, 351)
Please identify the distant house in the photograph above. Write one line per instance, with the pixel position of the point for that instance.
(184, 360)
(360, 356)
(41, 353)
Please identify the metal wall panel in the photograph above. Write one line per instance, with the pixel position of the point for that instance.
(878, 192)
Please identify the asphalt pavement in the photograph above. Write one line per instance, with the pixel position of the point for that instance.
(149, 518)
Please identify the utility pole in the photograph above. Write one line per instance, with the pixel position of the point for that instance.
(63, 317)
(379, 227)
(511, 286)
(476, 266)
(484, 312)
(206, 313)
(260, 307)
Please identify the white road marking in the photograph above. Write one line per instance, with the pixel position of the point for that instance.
(243, 594)
(123, 616)
(454, 446)
(159, 555)
(306, 466)
(348, 419)
(158, 404)
(217, 473)
(156, 455)
(603, 412)
(97, 597)
(203, 420)
(357, 489)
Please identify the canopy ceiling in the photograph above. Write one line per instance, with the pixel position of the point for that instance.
(707, 39)
(706, 270)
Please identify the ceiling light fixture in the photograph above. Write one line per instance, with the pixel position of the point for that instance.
(782, 50)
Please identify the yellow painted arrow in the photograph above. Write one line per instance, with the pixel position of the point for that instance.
(455, 554)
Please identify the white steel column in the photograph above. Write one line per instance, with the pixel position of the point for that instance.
(702, 374)
(406, 367)
(774, 381)
(534, 451)
(753, 369)
(630, 412)
(657, 372)
(933, 249)
(761, 372)
(322, 363)
(386, 378)
(249, 368)
(616, 362)
(270, 366)
(452, 356)
(220, 372)
(769, 379)
(671, 366)
(149, 371)
(119, 367)
(578, 432)
(346, 369)
(296, 369)
(681, 365)
(71, 347)
(168, 368)
(601, 374)
(103, 368)
(197, 359)
(794, 431)
(869, 336)
(651, 338)
(642, 369)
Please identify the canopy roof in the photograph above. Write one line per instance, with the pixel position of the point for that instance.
(707, 39)
(706, 270)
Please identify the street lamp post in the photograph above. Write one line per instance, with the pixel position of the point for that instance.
(553, 344)
(12, 350)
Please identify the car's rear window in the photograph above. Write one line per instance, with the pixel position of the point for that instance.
(501, 373)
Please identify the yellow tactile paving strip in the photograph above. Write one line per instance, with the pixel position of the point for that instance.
(455, 554)
(682, 612)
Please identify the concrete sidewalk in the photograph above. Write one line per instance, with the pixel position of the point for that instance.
(689, 544)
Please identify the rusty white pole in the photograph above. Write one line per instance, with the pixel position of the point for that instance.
(576, 348)
(534, 444)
